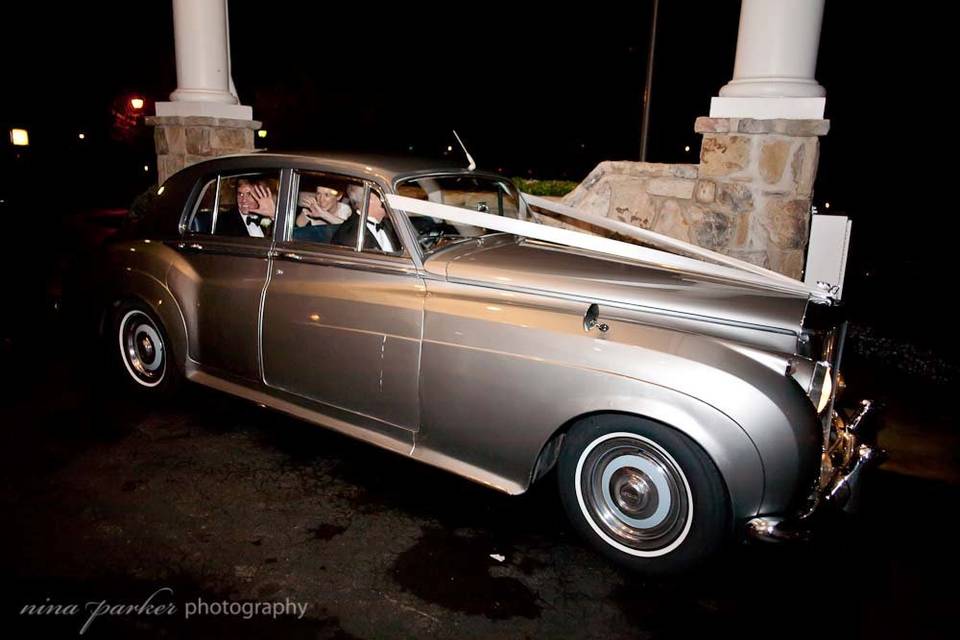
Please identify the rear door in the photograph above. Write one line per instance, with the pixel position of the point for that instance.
(224, 269)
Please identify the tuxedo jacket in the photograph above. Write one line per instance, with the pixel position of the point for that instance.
(230, 223)
(347, 233)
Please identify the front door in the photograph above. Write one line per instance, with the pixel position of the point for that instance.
(343, 310)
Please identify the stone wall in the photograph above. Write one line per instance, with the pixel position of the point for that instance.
(185, 140)
(749, 197)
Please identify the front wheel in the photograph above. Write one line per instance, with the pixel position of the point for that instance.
(645, 495)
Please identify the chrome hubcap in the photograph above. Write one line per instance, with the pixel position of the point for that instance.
(142, 348)
(634, 493)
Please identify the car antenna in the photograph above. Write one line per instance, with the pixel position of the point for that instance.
(472, 165)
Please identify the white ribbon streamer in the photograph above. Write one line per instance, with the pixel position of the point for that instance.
(658, 240)
(732, 269)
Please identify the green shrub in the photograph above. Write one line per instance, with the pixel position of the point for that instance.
(555, 188)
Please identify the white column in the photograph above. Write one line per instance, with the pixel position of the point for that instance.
(773, 76)
(203, 63)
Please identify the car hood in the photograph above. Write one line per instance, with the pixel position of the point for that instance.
(507, 262)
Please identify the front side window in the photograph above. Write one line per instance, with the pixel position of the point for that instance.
(342, 211)
(379, 236)
(324, 203)
(476, 193)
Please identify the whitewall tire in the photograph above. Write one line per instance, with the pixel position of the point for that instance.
(644, 494)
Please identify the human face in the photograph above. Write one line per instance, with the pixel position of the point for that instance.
(245, 198)
(375, 210)
(327, 198)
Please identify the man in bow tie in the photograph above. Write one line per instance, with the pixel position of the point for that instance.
(378, 234)
(256, 210)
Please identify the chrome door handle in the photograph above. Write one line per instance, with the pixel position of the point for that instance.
(591, 319)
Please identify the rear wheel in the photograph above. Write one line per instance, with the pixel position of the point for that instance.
(645, 495)
(140, 343)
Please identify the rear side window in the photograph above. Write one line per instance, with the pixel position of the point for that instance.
(247, 204)
(238, 205)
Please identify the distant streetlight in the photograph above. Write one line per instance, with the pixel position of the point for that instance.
(19, 137)
(826, 205)
(262, 133)
(687, 148)
(146, 168)
(449, 148)
(136, 103)
(82, 136)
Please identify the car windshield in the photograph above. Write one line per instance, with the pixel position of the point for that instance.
(486, 194)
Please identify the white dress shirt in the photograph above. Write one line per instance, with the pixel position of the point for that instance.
(253, 226)
(386, 244)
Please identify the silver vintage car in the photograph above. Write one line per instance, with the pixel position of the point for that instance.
(677, 410)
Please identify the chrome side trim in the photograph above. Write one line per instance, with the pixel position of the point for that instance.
(347, 259)
(628, 307)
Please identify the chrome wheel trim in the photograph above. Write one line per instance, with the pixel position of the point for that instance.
(633, 494)
(141, 348)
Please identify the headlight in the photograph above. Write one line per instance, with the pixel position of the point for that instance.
(821, 386)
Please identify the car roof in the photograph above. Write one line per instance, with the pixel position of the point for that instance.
(387, 167)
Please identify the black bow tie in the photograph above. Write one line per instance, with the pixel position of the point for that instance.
(252, 220)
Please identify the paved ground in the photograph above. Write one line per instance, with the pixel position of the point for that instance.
(105, 499)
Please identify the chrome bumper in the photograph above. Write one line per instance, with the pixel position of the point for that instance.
(849, 453)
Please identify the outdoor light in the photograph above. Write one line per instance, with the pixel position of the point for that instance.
(146, 168)
(19, 137)
(82, 136)
(687, 148)
(826, 205)
(262, 133)
(449, 148)
(136, 103)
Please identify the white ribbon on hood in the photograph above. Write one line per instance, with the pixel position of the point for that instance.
(691, 258)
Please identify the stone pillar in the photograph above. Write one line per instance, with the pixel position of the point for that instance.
(203, 118)
(749, 197)
(185, 140)
(761, 175)
(776, 59)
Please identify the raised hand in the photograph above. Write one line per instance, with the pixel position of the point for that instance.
(266, 206)
(314, 210)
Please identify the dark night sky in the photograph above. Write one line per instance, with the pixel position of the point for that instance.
(543, 91)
